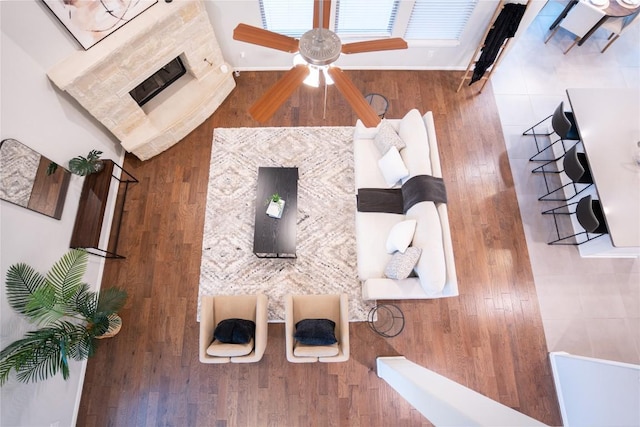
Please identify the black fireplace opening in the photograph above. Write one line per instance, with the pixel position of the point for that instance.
(158, 81)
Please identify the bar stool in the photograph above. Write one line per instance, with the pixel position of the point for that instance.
(617, 26)
(563, 124)
(589, 214)
(378, 102)
(582, 17)
(576, 167)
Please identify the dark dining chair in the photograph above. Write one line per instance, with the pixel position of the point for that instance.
(563, 124)
(576, 167)
(590, 216)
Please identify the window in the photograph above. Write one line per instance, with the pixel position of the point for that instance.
(439, 19)
(365, 18)
(289, 17)
(440, 22)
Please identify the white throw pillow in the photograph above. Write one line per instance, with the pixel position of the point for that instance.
(416, 156)
(401, 235)
(392, 167)
(387, 137)
(401, 264)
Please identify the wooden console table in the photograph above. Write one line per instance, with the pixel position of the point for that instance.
(93, 202)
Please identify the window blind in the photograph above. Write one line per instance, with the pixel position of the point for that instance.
(365, 18)
(289, 17)
(439, 19)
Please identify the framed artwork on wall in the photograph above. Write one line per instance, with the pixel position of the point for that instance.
(90, 21)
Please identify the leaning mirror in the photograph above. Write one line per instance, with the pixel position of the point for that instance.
(30, 180)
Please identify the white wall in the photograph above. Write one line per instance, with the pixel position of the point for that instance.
(445, 402)
(33, 112)
(596, 392)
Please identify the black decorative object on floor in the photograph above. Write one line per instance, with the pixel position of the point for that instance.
(386, 320)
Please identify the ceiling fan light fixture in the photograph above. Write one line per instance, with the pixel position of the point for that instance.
(327, 78)
(314, 77)
(320, 47)
(317, 50)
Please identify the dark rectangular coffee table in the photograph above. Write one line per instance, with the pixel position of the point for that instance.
(276, 237)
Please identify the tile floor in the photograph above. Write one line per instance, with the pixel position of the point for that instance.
(589, 307)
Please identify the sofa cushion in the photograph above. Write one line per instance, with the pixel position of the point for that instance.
(362, 132)
(392, 167)
(235, 331)
(220, 349)
(400, 236)
(372, 230)
(387, 137)
(304, 350)
(401, 264)
(366, 172)
(415, 155)
(431, 267)
(316, 332)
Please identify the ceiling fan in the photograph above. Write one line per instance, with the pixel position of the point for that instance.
(316, 51)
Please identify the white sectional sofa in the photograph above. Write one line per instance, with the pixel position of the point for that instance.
(434, 274)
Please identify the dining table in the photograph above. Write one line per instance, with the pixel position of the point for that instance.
(611, 8)
(608, 122)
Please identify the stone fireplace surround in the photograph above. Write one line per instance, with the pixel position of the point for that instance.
(101, 78)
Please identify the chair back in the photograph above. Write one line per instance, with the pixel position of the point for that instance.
(234, 306)
(581, 18)
(618, 25)
(614, 25)
(590, 216)
(576, 166)
(560, 122)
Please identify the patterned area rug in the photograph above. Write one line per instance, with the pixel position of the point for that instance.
(326, 248)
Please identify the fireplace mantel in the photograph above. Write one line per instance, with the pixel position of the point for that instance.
(101, 78)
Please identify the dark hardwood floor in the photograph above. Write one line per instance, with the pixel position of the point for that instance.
(490, 338)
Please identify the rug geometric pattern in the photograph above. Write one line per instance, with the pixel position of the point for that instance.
(325, 243)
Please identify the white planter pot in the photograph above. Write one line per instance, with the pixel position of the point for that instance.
(275, 209)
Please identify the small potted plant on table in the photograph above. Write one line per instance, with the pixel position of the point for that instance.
(276, 206)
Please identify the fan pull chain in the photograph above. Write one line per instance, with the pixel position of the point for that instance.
(324, 112)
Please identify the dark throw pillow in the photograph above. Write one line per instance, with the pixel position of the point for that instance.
(316, 332)
(235, 331)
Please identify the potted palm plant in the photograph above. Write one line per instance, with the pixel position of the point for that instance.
(70, 318)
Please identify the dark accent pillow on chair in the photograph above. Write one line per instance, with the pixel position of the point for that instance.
(316, 332)
(235, 331)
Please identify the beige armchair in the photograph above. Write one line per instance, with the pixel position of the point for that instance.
(332, 307)
(218, 308)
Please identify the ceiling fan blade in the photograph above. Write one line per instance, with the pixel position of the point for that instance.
(325, 7)
(374, 45)
(255, 35)
(277, 94)
(353, 96)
